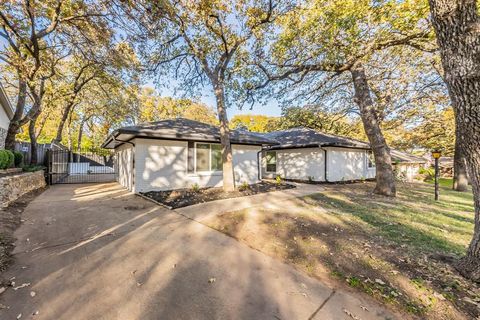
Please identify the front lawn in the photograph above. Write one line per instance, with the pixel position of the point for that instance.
(443, 182)
(397, 250)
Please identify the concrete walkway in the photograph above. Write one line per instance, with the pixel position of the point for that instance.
(272, 200)
(98, 252)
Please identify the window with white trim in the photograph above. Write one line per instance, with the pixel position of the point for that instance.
(271, 158)
(208, 157)
(370, 159)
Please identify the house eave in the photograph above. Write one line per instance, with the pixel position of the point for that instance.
(112, 138)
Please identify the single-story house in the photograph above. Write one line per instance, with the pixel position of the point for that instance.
(6, 114)
(306, 154)
(179, 153)
(407, 165)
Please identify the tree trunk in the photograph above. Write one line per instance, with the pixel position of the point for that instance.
(227, 158)
(66, 112)
(385, 178)
(33, 141)
(16, 122)
(460, 180)
(457, 26)
(79, 140)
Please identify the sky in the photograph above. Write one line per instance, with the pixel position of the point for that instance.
(271, 108)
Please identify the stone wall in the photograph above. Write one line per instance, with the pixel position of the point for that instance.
(14, 186)
(3, 136)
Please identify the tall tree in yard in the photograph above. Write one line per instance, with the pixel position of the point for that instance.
(457, 26)
(34, 41)
(202, 43)
(329, 45)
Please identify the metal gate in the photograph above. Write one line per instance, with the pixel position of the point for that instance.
(65, 166)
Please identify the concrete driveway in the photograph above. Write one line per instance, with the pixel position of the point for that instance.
(98, 252)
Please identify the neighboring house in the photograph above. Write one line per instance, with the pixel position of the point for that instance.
(6, 114)
(178, 153)
(407, 165)
(305, 154)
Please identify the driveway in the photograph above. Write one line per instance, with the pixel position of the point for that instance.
(99, 252)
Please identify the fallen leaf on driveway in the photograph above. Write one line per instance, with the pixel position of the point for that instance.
(22, 286)
(2, 289)
(19, 316)
(32, 294)
(351, 315)
(211, 280)
(364, 308)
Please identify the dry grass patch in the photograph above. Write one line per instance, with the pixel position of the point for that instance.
(397, 250)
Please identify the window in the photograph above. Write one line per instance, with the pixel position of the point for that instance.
(208, 157)
(370, 159)
(271, 158)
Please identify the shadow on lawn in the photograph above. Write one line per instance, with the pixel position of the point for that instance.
(391, 226)
(405, 242)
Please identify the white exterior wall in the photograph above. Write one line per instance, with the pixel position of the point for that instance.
(300, 164)
(344, 164)
(162, 165)
(124, 155)
(245, 163)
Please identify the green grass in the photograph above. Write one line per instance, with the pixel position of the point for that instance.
(414, 220)
(443, 182)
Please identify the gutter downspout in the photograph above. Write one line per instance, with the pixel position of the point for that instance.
(325, 163)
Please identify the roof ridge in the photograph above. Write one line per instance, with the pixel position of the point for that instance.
(321, 132)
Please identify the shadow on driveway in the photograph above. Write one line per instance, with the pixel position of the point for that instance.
(99, 252)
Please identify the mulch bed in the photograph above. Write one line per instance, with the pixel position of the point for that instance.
(187, 197)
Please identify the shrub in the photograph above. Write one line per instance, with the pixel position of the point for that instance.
(195, 187)
(7, 159)
(3, 159)
(427, 173)
(278, 180)
(18, 158)
(244, 186)
(11, 159)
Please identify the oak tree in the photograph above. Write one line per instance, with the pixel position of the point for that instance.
(457, 27)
